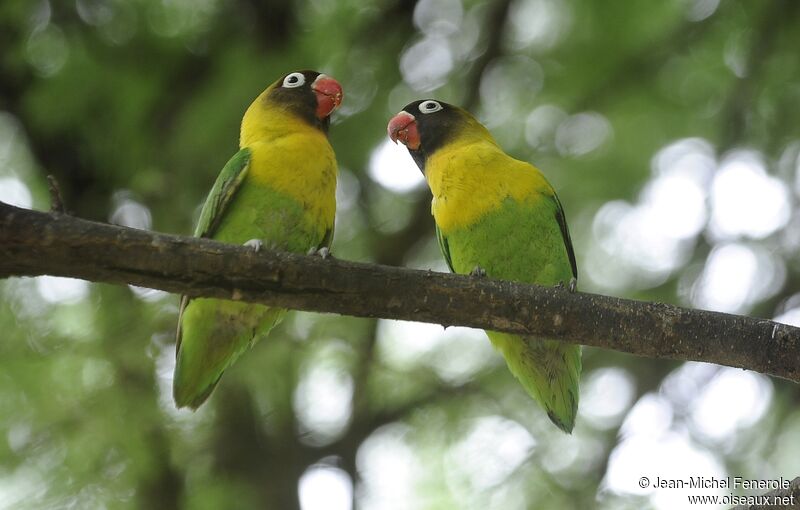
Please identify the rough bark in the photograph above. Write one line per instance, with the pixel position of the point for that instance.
(37, 243)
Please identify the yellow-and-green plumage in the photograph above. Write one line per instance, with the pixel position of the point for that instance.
(280, 189)
(501, 215)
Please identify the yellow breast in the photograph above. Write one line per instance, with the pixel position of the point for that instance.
(471, 180)
(300, 164)
(290, 156)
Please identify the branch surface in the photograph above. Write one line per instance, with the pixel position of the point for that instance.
(37, 243)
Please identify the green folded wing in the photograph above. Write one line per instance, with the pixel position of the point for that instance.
(224, 189)
(445, 248)
(562, 224)
(327, 239)
(227, 184)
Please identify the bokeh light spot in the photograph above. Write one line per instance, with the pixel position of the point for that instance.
(47, 50)
(438, 17)
(732, 400)
(58, 290)
(486, 455)
(323, 402)
(426, 64)
(582, 133)
(391, 166)
(737, 275)
(129, 212)
(605, 396)
(745, 200)
(539, 24)
(389, 468)
(13, 191)
(324, 487)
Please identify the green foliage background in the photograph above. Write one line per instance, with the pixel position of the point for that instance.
(134, 106)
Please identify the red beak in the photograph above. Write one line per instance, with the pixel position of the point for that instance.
(403, 128)
(329, 95)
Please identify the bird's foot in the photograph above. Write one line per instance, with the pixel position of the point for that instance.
(572, 286)
(324, 252)
(478, 272)
(256, 244)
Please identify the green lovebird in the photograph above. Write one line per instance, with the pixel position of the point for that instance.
(278, 191)
(500, 217)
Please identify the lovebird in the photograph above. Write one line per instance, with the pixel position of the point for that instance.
(278, 191)
(497, 216)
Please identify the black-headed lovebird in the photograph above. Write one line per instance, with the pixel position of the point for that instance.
(279, 190)
(497, 216)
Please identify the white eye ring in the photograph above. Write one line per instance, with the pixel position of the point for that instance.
(294, 80)
(430, 106)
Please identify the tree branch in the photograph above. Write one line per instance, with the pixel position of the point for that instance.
(37, 243)
(56, 200)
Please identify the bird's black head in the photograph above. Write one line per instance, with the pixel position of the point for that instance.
(309, 94)
(425, 126)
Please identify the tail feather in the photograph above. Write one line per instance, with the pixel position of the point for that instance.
(213, 334)
(548, 370)
(183, 396)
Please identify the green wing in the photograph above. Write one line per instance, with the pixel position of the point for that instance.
(327, 239)
(562, 224)
(226, 186)
(445, 247)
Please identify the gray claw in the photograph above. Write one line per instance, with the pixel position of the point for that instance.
(256, 244)
(572, 286)
(322, 252)
(478, 272)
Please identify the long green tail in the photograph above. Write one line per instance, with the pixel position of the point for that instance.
(214, 333)
(548, 370)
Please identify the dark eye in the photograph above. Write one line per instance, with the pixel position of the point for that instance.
(294, 80)
(430, 106)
